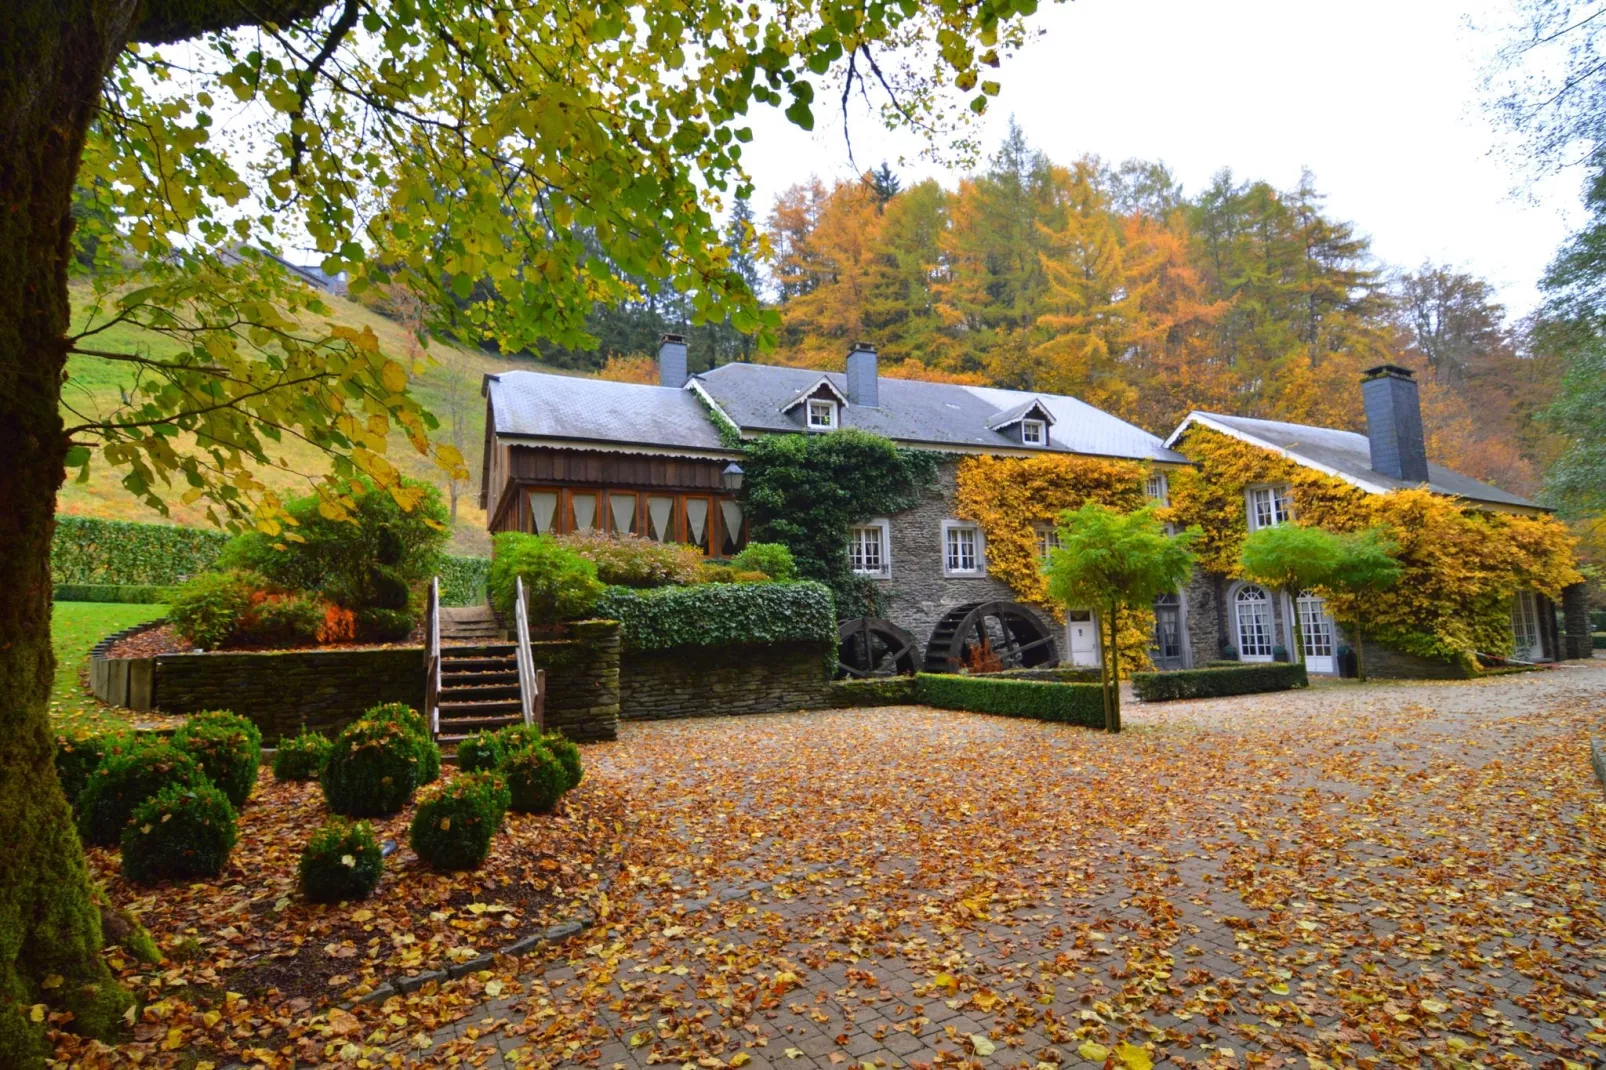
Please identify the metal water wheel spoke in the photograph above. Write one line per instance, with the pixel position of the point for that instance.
(857, 640)
(1026, 641)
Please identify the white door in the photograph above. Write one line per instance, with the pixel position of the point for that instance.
(1082, 638)
(1252, 607)
(1316, 631)
(1527, 645)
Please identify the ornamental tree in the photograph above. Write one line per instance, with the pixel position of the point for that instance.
(1366, 565)
(1111, 561)
(513, 164)
(1291, 559)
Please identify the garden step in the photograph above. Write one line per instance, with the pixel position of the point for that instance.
(462, 727)
(459, 666)
(451, 693)
(460, 708)
(491, 674)
(478, 650)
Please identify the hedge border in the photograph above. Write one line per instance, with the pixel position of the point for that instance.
(1218, 682)
(1080, 704)
(721, 614)
(878, 691)
(148, 594)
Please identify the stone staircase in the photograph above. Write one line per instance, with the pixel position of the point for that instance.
(479, 674)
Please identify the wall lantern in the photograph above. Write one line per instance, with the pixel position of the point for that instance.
(732, 476)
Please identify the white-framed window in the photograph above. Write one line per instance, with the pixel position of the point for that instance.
(1526, 642)
(822, 415)
(1033, 432)
(961, 549)
(1270, 506)
(1256, 623)
(1048, 538)
(1158, 488)
(870, 548)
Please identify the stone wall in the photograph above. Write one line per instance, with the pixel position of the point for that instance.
(714, 682)
(582, 680)
(1385, 664)
(1202, 622)
(1576, 641)
(918, 593)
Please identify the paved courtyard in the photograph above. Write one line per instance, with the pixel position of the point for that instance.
(1377, 876)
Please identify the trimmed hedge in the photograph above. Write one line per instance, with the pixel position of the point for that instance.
(1062, 675)
(89, 550)
(455, 822)
(301, 757)
(1214, 683)
(372, 769)
(721, 614)
(1062, 703)
(463, 579)
(1599, 640)
(124, 781)
(144, 594)
(535, 778)
(180, 833)
(341, 862)
(228, 757)
(77, 757)
(880, 691)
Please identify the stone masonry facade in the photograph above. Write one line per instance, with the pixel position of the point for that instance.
(724, 681)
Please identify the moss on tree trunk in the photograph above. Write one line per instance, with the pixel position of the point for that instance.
(53, 58)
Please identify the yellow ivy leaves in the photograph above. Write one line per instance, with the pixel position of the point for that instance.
(1461, 565)
(1013, 498)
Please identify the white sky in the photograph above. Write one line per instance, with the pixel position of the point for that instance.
(1381, 99)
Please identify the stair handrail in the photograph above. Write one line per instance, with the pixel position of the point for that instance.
(432, 656)
(530, 681)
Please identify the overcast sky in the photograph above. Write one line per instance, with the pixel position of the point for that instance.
(1379, 98)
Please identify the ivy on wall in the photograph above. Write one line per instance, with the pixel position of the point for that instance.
(1460, 566)
(1012, 497)
(805, 490)
(721, 615)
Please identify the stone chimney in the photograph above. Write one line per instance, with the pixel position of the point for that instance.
(863, 381)
(1394, 423)
(672, 361)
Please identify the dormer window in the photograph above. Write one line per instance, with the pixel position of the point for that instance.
(1033, 432)
(822, 415)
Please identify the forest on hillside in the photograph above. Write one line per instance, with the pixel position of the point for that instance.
(1114, 284)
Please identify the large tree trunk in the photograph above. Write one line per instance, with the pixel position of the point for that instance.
(54, 55)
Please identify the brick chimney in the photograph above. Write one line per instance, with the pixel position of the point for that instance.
(1394, 423)
(672, 361)
(863, 373)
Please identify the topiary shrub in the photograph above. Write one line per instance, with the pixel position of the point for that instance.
(341, 862)
(455, 822)
(229, 719)
(123, 781)
(184, 831)
(632, 561)
(429, 753)
(228, 756)
(568, 755)
(301, 757)
(279, 620)
(207, 609)
(372, 769)
(77, 756)
(536, 779)
(483, 750)
(771, 558)
(559, 583)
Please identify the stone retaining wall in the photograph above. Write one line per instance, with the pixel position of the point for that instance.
(712, 682)
(582, 680)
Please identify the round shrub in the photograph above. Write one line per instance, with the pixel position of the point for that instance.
(123, 781)
(301, 757)
(207, 608)
(342, 861)
(536, 780)
(774, 559)
(429, 754)
(568, 756)
(227, 756)
(633, 561)
(79, 756)
(483, 750)
(229, 719)
(559, 584)
(455, 822)
(183, 831)
(372, 769)
(278, 620)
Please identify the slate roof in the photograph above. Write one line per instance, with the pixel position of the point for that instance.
(1344, 454)
(540, 405)
(930, 414)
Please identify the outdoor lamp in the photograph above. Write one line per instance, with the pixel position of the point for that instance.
(732, 476)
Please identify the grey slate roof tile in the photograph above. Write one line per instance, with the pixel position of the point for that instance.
(539, 405)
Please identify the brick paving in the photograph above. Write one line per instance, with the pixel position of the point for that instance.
(1390, 874)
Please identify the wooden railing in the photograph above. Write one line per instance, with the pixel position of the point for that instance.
(532, 681)
(432, 657)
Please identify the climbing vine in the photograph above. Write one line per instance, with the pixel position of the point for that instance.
(1460, 566)
(805, 490)
(1013, 498)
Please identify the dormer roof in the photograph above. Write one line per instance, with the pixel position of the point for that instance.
(1032, 408)
(813, 390)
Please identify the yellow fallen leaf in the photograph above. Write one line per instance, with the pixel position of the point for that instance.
(981, 1044)
(36, 1013)
(421, 1041)
(175, 1039)
(1094, 1053)
(946, 980)
(741, 1058)
(1280, 988)
(1133, 1057)
(1433, 1006)
(640, 1038)
(493, 988)
(794, 1053)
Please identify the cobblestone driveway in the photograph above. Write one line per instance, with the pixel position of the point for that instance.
(1379, 875)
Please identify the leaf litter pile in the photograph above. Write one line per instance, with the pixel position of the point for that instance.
(1349, 876)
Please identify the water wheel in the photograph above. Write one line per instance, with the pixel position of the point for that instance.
(870, 646)
(1003, 632)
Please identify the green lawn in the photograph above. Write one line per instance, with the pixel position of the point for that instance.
(75, 627)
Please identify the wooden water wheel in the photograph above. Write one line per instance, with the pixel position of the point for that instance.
(1014, 635)
(871, 646)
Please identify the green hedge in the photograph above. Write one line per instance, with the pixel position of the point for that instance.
(1063, 703)
(721, 614)
(1599, 640)
(127, 593)
(881, 691)
(463, 580)
(1064, 674)
(1213, 683)
(89, 550)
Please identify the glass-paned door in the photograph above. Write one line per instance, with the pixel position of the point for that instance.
(1317, 634)
(622, 513)
(730, 515)
(698, 530)
(1167, 652)
(543, 511)
(1256, 630)
(661, 517)
(1527, 644)
(583, 510)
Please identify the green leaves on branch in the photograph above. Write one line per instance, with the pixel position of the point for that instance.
(1108, 558)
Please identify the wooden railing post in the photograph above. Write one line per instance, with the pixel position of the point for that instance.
(529, 678)
(432, 657)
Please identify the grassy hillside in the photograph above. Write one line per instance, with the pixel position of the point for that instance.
(444, 376)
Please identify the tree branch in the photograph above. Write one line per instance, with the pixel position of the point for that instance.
(162, 22)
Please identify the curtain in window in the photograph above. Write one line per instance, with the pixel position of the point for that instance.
(543, 510)
(585, 511)
(697, 521)
(731, 513)
(623, 507)
(660, 513)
